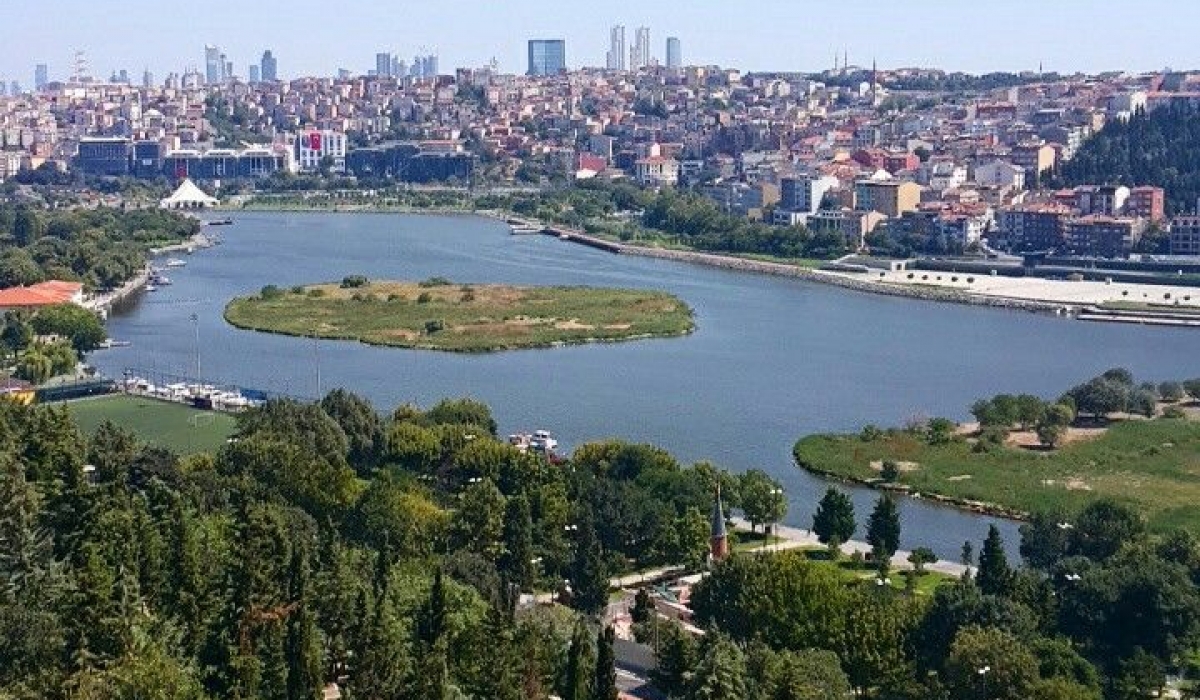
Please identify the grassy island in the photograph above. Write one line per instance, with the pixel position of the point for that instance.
(1135, 443)
(441, 315)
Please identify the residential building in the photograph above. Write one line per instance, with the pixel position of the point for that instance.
(1033, 227)
(1185, 235)
(1147, 202)
(1103, 200)
(1035, 158)
(656, 171)
(1103, 236)
(999, 173)
(852, 225)
(313, 147)
(547, 57)
(888, 197)
(803, 194)
(674, 53)
(616, 48)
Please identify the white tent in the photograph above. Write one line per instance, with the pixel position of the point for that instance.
(188, 196)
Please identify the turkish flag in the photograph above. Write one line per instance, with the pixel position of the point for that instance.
(314, 141)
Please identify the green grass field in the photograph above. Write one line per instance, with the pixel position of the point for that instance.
(172, 426)
(464, 317)
(1153, 465)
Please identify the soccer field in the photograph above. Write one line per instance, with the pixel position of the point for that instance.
(179, 428)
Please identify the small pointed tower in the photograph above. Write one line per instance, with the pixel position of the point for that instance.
(718, 543)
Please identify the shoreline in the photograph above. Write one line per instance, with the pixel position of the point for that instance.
(965, 505)
(728, 261)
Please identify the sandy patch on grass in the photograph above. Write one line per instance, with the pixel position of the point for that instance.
(402, 333)
(877, 465)
(1073, 483)
(573, 325)
(1029, 438)
(960, 477)
(618, 326)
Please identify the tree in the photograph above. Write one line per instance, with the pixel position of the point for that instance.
(478, 523)
(1044, 539)
(411, 447)
(989, 664)
(1100, 396)
(517, 560)
(762, 498)
(920, 557)
(1102, 528)
(1171, 391)
(721, 674)
(1139, 676)
(994, 577)
(604, 680)
(361, 424)
(1030, 410)
(1049, 434)
(578, 676)
(834, 519)
(589, 571)
(302, 648)
(940, 431)
(1062, 689)
(462, 412)
(75, 323)
(883, 527)
(676, 658)
(809, 674)
(28, 227)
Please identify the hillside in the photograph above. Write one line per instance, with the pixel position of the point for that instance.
(1160, 148)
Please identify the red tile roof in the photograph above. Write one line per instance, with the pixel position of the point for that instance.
(41, 294)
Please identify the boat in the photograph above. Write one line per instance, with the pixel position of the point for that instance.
(543, 441)
(221, 222)
(151, 288)
(176, 262)
(160, 279)
(520, 229)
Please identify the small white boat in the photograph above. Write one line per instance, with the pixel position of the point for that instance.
(543, 441)
(176, 262)
(160, 279)
(151, 288)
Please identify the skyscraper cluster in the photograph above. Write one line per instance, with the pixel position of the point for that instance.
(389, 66)
(639, 55)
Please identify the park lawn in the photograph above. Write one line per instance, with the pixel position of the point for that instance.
(471, 317)
(1153, 465)
(181, 429)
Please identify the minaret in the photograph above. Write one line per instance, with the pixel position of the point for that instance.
(718, 543)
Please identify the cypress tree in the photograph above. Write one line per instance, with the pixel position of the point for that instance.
(722, 672)
(302, 647)
(834, 519)
(577, 680)
(883, 527)
(604, 681)
(517, 560)
(994, 576)
(431, 624)
(589, 571)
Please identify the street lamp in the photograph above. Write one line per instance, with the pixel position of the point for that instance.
(196, 326)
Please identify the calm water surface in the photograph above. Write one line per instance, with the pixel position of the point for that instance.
(772, 358)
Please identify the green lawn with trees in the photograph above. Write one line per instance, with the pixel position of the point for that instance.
(1149, 463)
(439, 315)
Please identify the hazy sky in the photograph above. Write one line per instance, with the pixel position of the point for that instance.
(316, 37)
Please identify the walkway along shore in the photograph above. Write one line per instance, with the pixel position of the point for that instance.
(730, 262)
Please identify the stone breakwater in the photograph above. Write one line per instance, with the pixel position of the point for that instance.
(858, 283)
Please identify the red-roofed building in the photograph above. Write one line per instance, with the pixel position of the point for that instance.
(41, 294)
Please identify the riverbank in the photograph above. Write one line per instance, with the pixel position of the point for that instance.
(1147, 463)
(199, 241)
(440, 315)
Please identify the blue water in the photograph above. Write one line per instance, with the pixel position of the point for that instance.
(772, 358)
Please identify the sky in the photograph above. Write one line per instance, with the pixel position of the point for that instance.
(317, 37)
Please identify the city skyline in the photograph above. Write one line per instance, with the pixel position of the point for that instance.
(771, 35)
